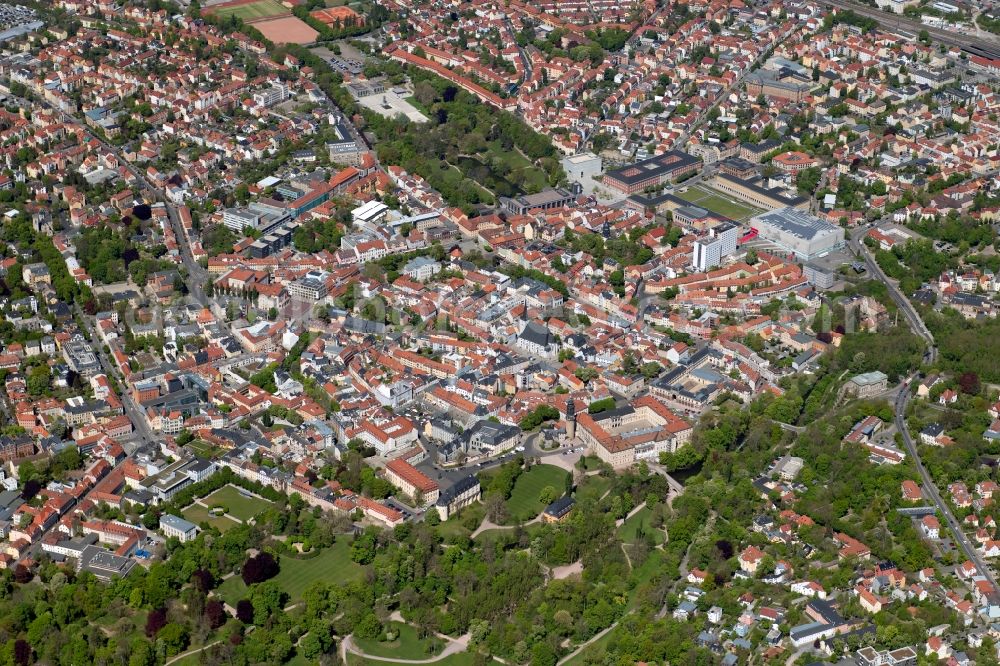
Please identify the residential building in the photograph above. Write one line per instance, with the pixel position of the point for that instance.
(414, 483)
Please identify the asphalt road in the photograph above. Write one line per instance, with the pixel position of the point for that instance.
(931, 491)
(132, 410)
(909, 313)
(902, 400)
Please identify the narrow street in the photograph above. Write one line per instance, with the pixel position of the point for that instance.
(132, 409)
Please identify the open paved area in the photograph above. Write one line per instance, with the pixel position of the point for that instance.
(392, 104)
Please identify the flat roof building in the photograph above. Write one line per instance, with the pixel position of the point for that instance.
(345, 149)
(581, 167)
(868, 384)
(819, 276)
(653, 172)
(544, 200)
(798, 232)
(310, 287)
(372, 211)
(258, 217)
(716, 245)
(739, 167)
(754, 192)
(104, 564)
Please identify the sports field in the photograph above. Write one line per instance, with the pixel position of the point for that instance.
(286, 30)
(524, 503)
(248, 11)
(717, 202)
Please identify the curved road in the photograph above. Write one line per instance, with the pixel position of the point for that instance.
(875, 271)
(931, 491)
(902, 400)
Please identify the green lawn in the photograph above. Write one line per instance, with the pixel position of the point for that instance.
(192, 659)
(252, 11)
(494, 534)
(418, 106)
(203, 449)
(639, 522)
(533, 176)
(333, 565)
(524, 503)
(593, 487)
(642, 575)
(717, 202)
(406, 646)
(521, 174)
(198, 514)
(232, 590)
(453, 176)
(240, 506)
(463, 523)
(590, 463)
(124, 626)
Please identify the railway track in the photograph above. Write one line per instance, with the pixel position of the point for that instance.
(985, 46)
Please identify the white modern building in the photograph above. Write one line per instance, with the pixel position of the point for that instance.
(173, 526)
(716, 245)
(371, 212)
(274, 94)
(421, 268)
(582, 167)
(798, 232)
(258, 217)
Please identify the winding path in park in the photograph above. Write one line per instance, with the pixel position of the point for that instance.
(593, 639)
(184, 655)
(455, 645)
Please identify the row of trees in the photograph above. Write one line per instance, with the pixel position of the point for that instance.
(460, 135)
